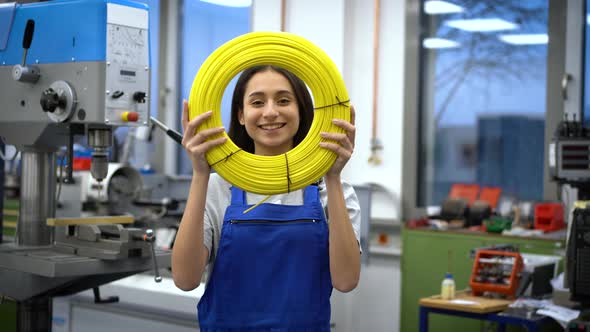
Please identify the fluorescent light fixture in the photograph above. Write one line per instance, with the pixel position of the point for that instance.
(482, 24)
(439, 43)
(525, 39)
(435, 7)
(230, 3)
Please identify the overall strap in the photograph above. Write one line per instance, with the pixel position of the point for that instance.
(311, 194)
(238, 196)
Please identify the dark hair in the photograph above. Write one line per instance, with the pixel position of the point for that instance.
(237, 132)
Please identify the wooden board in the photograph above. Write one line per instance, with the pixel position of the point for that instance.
(8, 212)
(464, 301)
(9, 224)
(90, 220)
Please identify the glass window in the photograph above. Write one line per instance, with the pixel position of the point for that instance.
(482, 97)
(205, 27)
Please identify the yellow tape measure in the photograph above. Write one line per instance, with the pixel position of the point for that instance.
(307, 162)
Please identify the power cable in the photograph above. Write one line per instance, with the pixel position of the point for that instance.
(307, 162)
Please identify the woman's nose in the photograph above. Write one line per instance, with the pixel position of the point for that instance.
(270, 110)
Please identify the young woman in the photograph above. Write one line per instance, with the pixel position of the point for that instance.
(273, 268)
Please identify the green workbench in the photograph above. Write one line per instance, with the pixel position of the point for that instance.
(425, 261)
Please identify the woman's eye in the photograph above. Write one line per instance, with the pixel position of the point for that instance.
(256, 103)
(284, 101)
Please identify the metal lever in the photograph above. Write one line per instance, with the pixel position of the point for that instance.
(27, 39)
(151, 238)
(22, 72)
(176, 136)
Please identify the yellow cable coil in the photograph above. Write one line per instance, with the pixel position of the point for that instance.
(307, 162)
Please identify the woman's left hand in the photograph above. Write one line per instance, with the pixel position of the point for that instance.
(345, 145)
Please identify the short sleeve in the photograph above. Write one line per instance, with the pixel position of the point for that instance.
(354, 209)
(352, 205)
(218, 198)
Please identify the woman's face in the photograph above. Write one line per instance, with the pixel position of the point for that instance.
(270, 114)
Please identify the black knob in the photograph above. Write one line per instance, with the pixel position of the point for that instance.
(50, 100)
(139, 97)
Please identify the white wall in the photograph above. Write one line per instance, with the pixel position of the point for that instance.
(344, 30)
(321, 22)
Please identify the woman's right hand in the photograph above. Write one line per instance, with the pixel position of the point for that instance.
(196, 143)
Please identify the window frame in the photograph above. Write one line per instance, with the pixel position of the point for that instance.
(556, 56)
(169, 152)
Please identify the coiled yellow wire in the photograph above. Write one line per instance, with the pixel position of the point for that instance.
(307, 162)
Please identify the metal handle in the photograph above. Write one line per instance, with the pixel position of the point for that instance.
(564, 83)
(27, 39)
(21, 72)
(176, 136)
(151, 238)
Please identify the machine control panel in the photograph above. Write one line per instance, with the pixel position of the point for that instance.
(569, 153)
(127, 67)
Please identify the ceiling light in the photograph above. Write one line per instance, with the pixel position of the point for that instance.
(439, 43)
(482, 24)
(441, 7)
(230, 3)
(525, 39)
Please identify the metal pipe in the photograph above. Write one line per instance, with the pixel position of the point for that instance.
(376, 145)
(37, 201)
(283, 15)
(376, 33)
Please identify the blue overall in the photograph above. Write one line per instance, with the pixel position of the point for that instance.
(272, 271)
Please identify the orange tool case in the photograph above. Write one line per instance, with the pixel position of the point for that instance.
(496, 271)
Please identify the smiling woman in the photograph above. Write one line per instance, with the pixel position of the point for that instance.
(272, 265)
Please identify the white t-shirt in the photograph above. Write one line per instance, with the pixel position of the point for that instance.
(219, 198)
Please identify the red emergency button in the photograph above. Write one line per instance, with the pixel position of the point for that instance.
(130, 116)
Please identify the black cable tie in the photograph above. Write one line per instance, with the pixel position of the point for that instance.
(339, 103)
(226, 157)
(288, 175)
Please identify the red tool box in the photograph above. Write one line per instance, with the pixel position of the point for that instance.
(549, 217)
(496, 271)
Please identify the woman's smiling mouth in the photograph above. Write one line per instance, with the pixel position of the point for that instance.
(271, 126)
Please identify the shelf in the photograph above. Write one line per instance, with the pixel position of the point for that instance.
(395, 251)
(385, 222)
